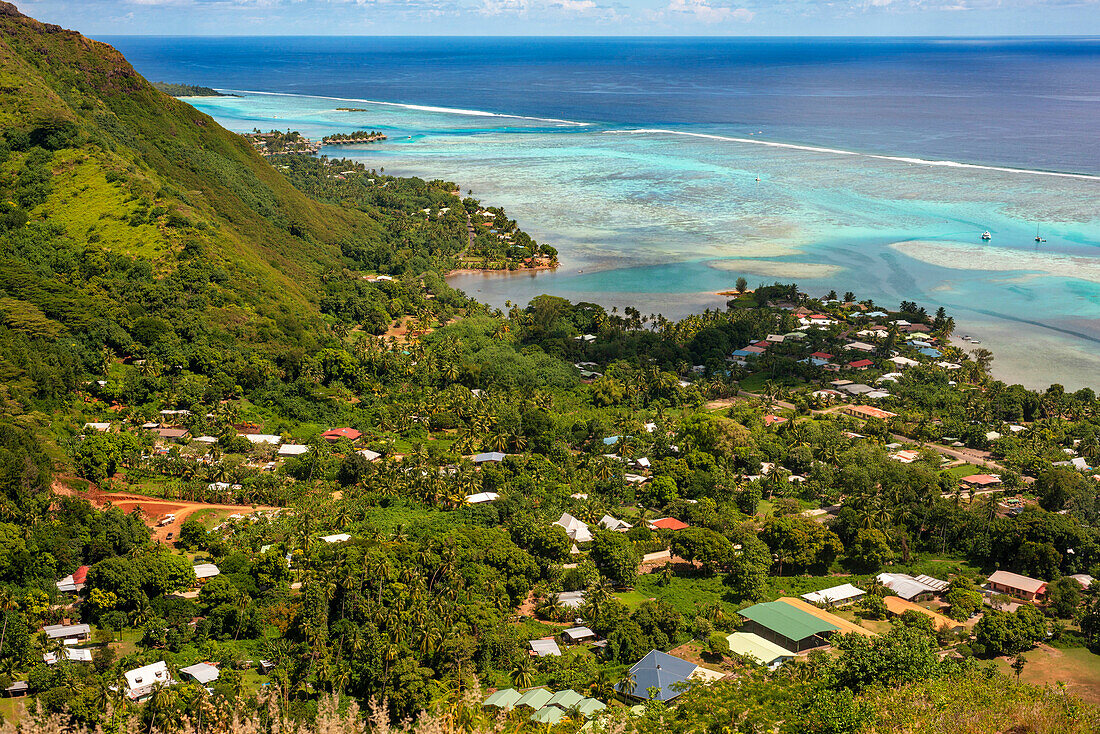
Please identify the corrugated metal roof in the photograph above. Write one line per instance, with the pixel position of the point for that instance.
(763, 651)
(786, 620)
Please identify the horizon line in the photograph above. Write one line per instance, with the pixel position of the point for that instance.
(1095, 37)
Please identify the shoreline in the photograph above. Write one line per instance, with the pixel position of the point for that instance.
(504, 271)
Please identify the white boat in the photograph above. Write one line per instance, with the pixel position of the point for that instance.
(986, 235)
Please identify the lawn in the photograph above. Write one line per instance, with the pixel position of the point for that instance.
(210, 518)
(1075, 667)
(10, 708)
(687, 594)
(963, 470)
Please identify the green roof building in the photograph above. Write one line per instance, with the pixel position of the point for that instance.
(787, 626)
(535, 698)
(504, 699)
(565, 700)
(548, 715)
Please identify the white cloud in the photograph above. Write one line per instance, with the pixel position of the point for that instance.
(502, 7)
(702, 11)
(575, 6)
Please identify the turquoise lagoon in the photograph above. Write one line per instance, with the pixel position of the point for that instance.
(663, 217)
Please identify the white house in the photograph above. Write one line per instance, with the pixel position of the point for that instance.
(258, 438)
(835, 596)
(202, 673)
(610, 523)
(577, 531)
(141, 682)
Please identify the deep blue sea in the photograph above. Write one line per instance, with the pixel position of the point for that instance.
(662, 169)
(1020, 102)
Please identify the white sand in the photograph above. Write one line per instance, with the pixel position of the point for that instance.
(966, 256)
(775, 268)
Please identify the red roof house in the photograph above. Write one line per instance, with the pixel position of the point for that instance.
(667, 523)
(981, 480)
(821, 355)
(80, 575)
(335, 434)
(860, 364)
(771, 420)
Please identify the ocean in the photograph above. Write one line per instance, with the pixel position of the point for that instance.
(663, 169)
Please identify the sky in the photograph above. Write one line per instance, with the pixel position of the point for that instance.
(572, 17)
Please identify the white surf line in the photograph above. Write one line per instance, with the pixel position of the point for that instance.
(837, 151)
(421, 108)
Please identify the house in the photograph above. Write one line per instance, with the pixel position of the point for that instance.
(763, 651)
(141, 682)
(333, 435)
(571, 599)
(860, 346)
(786, 626)
(904, 362)
(906, 586)
(336, 538)
(577, 635)
(259, 438)
(18, 688)
(1015, 585)
(206, 571)
(99, 427)
(1084, 579)
(564, 700)
(72, 654)
(938, 586)
(657, 670)
(773, 420)
(482, 497)
(369, 455)
(836, 596)
(74, 582)
(610, 523)
(201, 673)
(861, 364)
(577, 531)
(535, 698)
(493, 456)
(504, 699)
(172, 434)
(208, 440)
(824, 356)
(981, 480)
(876, 395)
(898, 606)
(70, 633)
(293, 449)
(867, 412)
(906, 456)
(667, 523)
(545, 647)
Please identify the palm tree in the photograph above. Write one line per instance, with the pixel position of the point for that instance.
(7, 603)
(523, 673)
(628, 683)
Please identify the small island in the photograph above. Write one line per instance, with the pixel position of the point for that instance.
(351, 109)
(359, 136)
(276, 142)
(188, 90)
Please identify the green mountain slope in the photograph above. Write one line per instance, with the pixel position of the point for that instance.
(128, 150)
(134, 226)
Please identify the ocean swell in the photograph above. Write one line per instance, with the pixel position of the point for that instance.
(837, 151)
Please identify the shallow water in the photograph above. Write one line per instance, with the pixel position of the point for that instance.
(662, 220)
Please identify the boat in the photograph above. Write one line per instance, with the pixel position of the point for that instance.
(986, 235)
(1038, 238)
